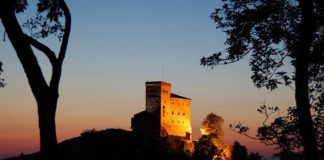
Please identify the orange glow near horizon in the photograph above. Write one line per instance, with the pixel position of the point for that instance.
(19, 123)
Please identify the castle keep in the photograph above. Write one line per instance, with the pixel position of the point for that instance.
(166, 114)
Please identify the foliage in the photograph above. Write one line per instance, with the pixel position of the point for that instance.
(272, 34)
(255, 156)
(283, 131)
(212, 128)
(205, 148)
(239, 152)
(212, 125)
(269, 31)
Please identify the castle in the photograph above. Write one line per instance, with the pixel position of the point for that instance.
(166, 114)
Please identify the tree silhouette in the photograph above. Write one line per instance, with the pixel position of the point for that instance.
(283, 131)
(255, 156)
(47, 22)
(239, 152)
(273, 33)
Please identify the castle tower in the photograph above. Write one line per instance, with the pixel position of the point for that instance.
(173, 110)
(157, 96)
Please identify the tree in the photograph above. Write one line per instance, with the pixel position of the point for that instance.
(255, 156)
(212, 125)
(205, 149)
(239, 152)
(2, 84)
(272, 33)
(47, 22)
(283, 132)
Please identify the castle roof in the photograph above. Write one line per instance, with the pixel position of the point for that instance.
(157, 82)
(177, 96)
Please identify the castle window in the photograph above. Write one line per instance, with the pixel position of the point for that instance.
(183, 114)
(172, 113)
(178, 113)
(163, 110)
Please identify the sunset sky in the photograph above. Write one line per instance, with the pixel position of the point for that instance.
(115, 47)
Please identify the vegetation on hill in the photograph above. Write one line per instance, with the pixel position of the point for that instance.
(116, 144)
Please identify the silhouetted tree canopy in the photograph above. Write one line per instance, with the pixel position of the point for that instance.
(273, 34)
(239, 152)
(283, 132)
(50, 16)
(255, 156)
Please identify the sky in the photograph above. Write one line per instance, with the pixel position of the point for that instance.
(115, 47)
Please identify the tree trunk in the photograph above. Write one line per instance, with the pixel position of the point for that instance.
(305, 122)
(47, 128)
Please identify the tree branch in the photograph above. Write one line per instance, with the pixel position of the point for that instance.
(67, 31)
(47, 51)
(244, 134)
(23, 49)
(215, 59)
(282, 59)
(57, 69)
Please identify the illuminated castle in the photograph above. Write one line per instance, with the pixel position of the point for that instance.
(166, 114)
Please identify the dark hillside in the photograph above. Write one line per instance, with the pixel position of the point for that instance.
(116, 144)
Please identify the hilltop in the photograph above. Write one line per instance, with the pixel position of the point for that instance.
(116, 144)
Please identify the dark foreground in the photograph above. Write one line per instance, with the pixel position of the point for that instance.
(116, 144)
